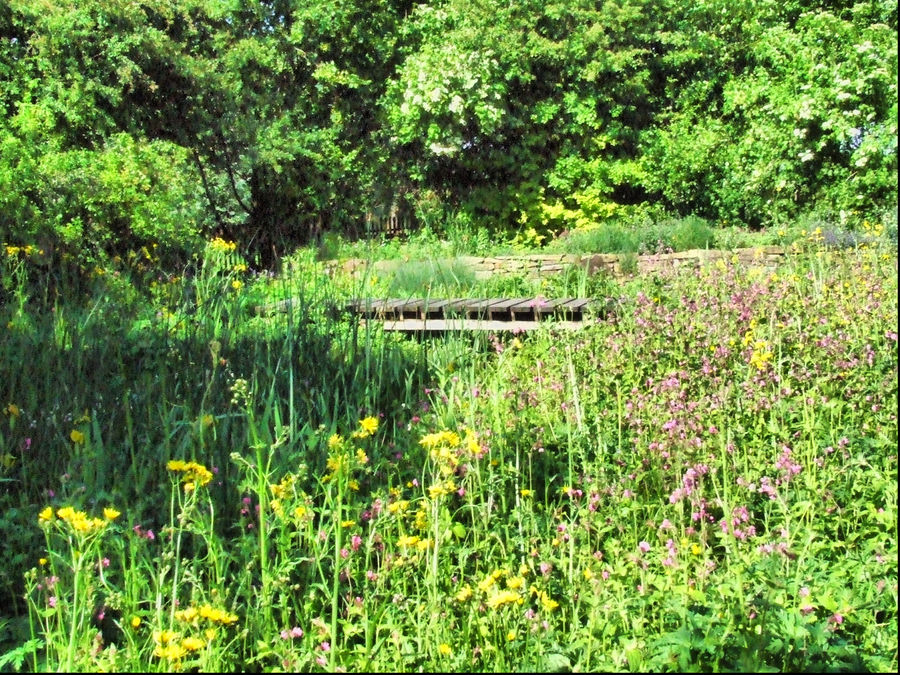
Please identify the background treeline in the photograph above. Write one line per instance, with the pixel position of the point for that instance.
(128, 123)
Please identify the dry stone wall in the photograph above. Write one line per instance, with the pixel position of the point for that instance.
(533, 266)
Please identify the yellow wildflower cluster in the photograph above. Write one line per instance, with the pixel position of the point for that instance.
(875, 229)
(496, 596)
(504, 597)
(194, 473)
(398, 507)
(441, 489)
(500, 587)
(447, 449)
(439, 439)
(27, 250)
(219, 245)
(761, 357)
(193, 615)
(172, 647)
(285, 493)
(12, 410)
(79, 521)
(340, 461)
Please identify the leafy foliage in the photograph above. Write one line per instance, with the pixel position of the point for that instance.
(274, 123)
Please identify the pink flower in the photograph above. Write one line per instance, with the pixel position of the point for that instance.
(52, 601)
(644, 546)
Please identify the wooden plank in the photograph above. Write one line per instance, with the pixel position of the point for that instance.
(412, 309)
(375, 308)
(525, 311)
(575, 308)
(455, 307)
(483, 309)
(501, 310)
(480, 308)
(552, 308)
(434, 309)
(443, 325)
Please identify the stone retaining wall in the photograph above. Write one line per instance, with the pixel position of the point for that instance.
(533, 266)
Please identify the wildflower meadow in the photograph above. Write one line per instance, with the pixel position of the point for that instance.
(704, 479)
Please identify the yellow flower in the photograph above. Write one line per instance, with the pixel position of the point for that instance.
(220, 245)
(193, 473)
(76, 436)
(237, 284)
(547, 602)
(192, 644)
(65, 513)
(464, 594)
(348, 523)
(188, 615)
(42, 562)
(503, 598)
(13, 409)
(696, 550)
(218, 615)
(444, 649)
(398, 506)
(440, 489)
(361, 456)
(110, 513)
(135, 622)
(407, 541)
(164, 637)
(515, 582)
(434, 440)
(46, 514)
(335, 441)
(170, 652)
(511, 635)
(369, 425)
(526, 492)
(485, 584)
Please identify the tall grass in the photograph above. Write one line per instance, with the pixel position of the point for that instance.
(706, 480)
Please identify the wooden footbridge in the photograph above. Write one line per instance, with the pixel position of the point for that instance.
(491, 314)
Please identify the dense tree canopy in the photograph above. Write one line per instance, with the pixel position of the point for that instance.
(127, 122)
